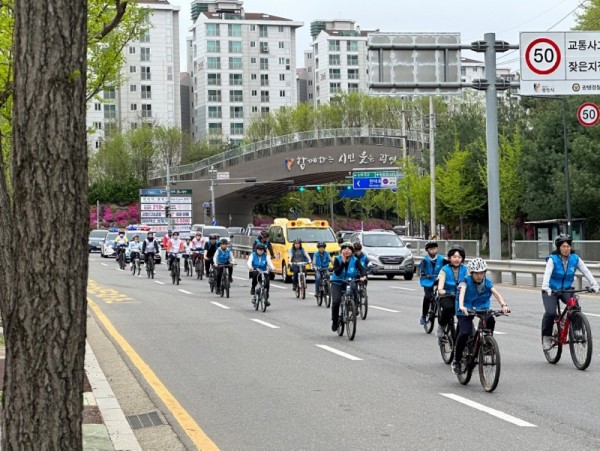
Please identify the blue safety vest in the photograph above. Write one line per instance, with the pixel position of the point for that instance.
(350, 273)
(223, 256)
(559, 280)
(473, 299)
(451, 284)
(430, 268)
(322, 260)
(259, 262)
(363, 259)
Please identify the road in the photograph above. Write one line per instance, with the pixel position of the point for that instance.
(282, 380)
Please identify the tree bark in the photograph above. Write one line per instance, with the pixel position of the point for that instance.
(43, 296)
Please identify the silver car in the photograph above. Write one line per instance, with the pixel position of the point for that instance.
(387, 254)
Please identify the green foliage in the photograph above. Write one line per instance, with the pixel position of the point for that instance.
(123, 191)
(589, 17)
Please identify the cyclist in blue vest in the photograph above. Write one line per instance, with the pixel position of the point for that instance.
(321, 261)
(260, 260)
(263, 238)
(475, 293)
(345, 266)
(223, 256)
(561, 266)
(429, 268)
(297, 254)
(448, 279)
(362, 257)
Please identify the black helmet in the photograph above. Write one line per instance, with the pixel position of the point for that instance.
(563, 238)
(431, 244)
(264, 234)
(357, 246)
(456, 248)
(224, 241)
(260, 246)
(321, 244)
(298, 240)
(213, 236)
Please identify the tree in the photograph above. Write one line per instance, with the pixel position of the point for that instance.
(43, 300)
(168, 144)
(456, 185)
(140, 142)
(588, 18)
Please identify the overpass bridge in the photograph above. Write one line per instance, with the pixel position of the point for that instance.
(303, 158)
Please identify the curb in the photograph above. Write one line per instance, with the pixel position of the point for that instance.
(119, 431)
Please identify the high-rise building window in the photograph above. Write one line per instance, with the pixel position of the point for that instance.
(235, 79)
(97, 106)
(132, 50)
(353, 74)
(236, 96)
(215, 128)
(145, 53)
(352, 60)
(263, 31)
(352, 46)
(235, 46)
(213, 62)
(334, 87)
(146, 73)
(264, 96)
(352, 87)
(236, 112)
(281, 44)
(145, 37)
(146, 110)
(214, 112)
(132, 69)
(170, 73)
(281, 93)
(264, 79)
(109, 93)
(214, 95)
(236, 128)
(212, 29)
(234, 30)
(334, 60)
(235, 62)
(281, 77)
(110, 111)
(146, 92)
(133, 107)
(213, 46)
(264, 47)
(264, 64)
(280, 29)
(132, 88)
(335, 74)
(334, 45)
(214, 79)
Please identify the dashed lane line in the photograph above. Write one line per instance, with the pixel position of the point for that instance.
(103, 264)
(183, 291)
(264, 323)
(159, 282)
(497, 413)
(221, 305)
(591, 314)
(385, 309)
(402, 288)
(338, 352)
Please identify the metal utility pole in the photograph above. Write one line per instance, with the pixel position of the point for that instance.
(432, 165)
(168, 189)
(491, 133)
(212, 195)
(97, 214)
(567, 178)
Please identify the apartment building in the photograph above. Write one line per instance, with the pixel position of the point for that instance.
(336, 61)
(243, 64)
(151, 93)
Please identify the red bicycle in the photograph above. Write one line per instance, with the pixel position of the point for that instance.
(571, 326)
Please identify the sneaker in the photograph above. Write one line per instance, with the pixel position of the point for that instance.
(295, 287)
(334, 326)
(253, 301)
(456, 368)
(547, 343)
(267, 303)
(252, 291)
(230, 279)
(422, 320)
(440, 331)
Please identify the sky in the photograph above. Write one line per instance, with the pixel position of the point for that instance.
(471, 18)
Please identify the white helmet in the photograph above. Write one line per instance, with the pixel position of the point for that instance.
(477, 265)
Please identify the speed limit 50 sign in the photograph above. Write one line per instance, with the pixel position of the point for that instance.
(560, 63)
(588, 114)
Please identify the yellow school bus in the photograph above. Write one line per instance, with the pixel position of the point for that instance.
(283, 232)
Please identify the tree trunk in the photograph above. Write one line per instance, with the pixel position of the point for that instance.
(43, 294)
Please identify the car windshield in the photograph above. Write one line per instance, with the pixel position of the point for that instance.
(111, 236)
(255, 231)
(98, 234)
(382, 240)
(311, 235)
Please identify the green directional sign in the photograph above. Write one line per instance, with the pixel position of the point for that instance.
(376, 174)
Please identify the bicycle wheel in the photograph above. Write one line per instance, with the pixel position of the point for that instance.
(327, 288)
(430, 318)
(447, 343)
(139, 267)
(351, 319)
(341, 317)
(580, 340)
(264, 300)
(489, 363)
(320, 296)
(303, 286)
(226, 282)
(211, 281)
(133, 267)
(364, 304)
(553, 354)
(466, 368)
(173, 276)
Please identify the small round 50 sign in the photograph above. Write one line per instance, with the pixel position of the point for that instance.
(588, 114)
(543, 56)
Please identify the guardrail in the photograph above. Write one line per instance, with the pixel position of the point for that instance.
(588, 250)
(533, 268)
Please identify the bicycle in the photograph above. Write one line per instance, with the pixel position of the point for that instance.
(447, 342)
(211, 277)
(324, 293)
(301, 286)
(347, 316)
(135, 263)
(175, 269)
(571, 326)
(482, 351)
(434, 309)
(121, 257)
(225, 284)
(363, 299)
(260, 293)
(199, 265)
(150, 266)
(189, 270)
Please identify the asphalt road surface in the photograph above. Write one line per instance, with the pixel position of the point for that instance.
(282, 380)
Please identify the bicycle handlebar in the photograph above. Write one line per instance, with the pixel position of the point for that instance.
(486, 312)
(573, 291)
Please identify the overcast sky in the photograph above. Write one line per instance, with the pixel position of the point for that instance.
(472, 18)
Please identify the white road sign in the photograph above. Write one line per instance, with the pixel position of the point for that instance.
(588, 114)
(560, 63)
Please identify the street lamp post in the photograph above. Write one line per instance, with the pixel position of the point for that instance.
(168, 189)
(567, 178)
(213, 209)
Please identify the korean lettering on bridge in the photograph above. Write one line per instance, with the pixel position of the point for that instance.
(350, 158)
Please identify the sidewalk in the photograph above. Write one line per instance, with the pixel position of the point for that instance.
(105, 427)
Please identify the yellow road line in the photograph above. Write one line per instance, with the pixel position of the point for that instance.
(191, 428)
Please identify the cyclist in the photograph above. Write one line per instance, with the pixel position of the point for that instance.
(135, 249)
(559, 275)
(210, 247)
(197, 248)
(345, 266)
(449, 277)
(260, 260)
(165, 243)
(297, 254)
(121, 241)
(358, 253)
(223, 256)
(263, 238)
(321, 261)
(429, 268)
(187, 251)
(475, 292)
(149, 246)
(175, 247)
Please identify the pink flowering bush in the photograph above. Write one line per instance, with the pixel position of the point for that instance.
(114, 216)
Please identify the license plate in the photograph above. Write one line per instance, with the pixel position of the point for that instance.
(391, 267)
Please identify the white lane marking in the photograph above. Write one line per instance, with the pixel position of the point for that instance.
(220, 305)
(403, 288)
(264, 323)
(499, 333)
(103, 264)
(158, 281)
(494, 412)
(591, 314)
(277, 286)
(340, 353)
(241, 278)
(183, 291)
(385, 309)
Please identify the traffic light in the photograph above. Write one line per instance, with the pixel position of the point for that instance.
(301, 189)
(348, 186)
(207, 210)
(167, 211)
(319, 187)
